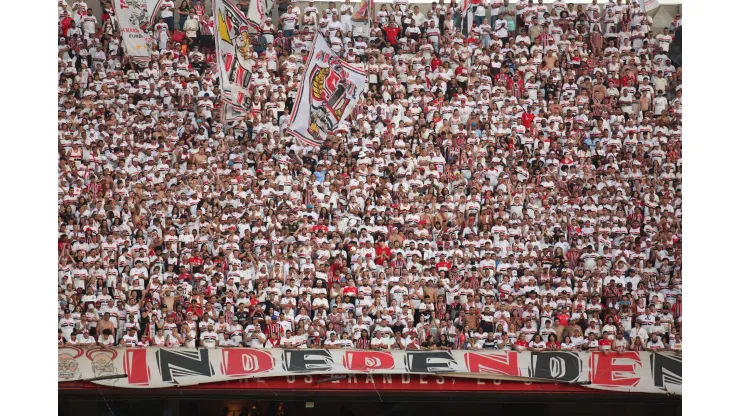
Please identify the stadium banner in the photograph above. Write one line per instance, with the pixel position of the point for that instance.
(361, 19)
(135, 18)
(327, 95)
(232, 53)
(257, 13)
(641, 372)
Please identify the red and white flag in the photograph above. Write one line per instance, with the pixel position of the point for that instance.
(258, 11)
(328, 93)
(232, 54)
(361, 18)
(135, 17)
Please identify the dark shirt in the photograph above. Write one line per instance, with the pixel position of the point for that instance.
(490, 344)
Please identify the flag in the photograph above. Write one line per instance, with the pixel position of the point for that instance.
(257, 13)
(233, 113)
(361, 19)
(232, 54)
(647, 5)
(135, 18)
(327, 95)
(468, 9)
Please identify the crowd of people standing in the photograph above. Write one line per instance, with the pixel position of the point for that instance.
(512, 184)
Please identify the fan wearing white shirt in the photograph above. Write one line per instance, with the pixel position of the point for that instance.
(288, 340)
(67, 325)
(346, 11)
(131, 339)
(257, 338)
(208, 338)
(86, 340)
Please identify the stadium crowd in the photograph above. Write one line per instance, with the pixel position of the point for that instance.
(514, 186)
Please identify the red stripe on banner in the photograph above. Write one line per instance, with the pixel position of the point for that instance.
(356, 69)
(155, 12)
(135, 366)
(303, 139)
(235, 9)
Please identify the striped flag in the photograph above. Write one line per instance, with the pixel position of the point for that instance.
(647, 5)
(468, 11)
(257, 13)
(232, 52)
(361, 18)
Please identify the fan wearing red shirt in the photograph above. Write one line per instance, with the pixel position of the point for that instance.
(562, 319)
(391, 33)
(677, 308)
(382, 253)
(527, 118)
(196, 309)
(212, 289)
(335, 269)
(66, 23)
(64, 243)
(436, 62)
(552, 346)
(521, 343)
(320, 227)
(627, 79)
(443, 264)
(350, 291)
(195, 262)
(184, 276)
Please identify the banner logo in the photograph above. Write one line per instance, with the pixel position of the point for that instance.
(102, 363)
(331, 93)
(69, 368)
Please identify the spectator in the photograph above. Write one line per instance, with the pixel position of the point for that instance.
(288, 21)
(167, 13)
(655, 343)
(191, 27)
(183, 11)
